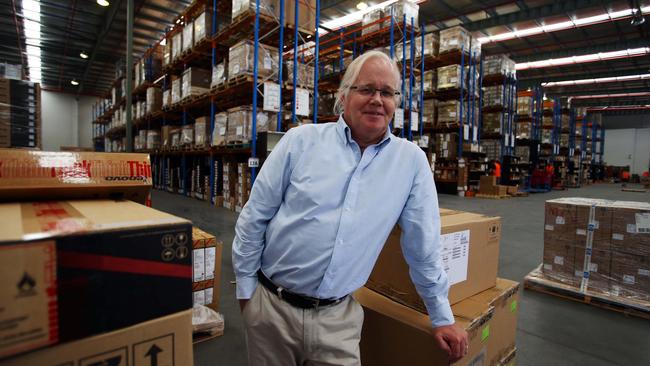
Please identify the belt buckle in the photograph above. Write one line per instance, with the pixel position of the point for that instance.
(279, 291)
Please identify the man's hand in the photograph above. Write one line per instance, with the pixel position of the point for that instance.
(453, 340)
(242, 304)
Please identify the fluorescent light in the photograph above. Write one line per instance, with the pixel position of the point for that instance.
(32, 27)
(74, 82)
(574, 23)
(597, 81)
(103, 2)
(83, 55)
(602, 56)
(362, 6)
(620, 95)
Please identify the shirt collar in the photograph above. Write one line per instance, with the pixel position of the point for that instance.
(346, 133)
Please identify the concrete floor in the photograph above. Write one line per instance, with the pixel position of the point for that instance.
(551, 331)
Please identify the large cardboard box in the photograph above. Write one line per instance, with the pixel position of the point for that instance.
(470, 253)
(32, 175)
(394, 334)
(72, 269)
(162, 341)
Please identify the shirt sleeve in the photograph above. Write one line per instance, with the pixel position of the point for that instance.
(420, 223)
(265, 199)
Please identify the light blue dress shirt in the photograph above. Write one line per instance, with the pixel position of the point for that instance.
(320, 212)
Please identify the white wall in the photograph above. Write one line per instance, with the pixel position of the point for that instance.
(85, 128)
(67, 121)
(59, 117)
(628, 147)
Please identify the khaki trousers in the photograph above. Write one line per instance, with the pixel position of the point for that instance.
(279, 334)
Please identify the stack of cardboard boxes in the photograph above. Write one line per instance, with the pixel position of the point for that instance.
(396, 328)
(243, 185)
(206, 269)
(20, 113)
(88, 279)
(598, 246)
(488, 186)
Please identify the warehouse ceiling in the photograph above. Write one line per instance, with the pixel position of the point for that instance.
(70, 27)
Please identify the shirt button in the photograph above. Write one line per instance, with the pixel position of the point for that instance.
(340, 241)
(347, 209)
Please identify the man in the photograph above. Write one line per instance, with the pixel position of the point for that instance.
(319, 213)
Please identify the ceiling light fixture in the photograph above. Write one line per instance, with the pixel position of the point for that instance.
(83, 55)
(362, 6)
(74, 82)
(619, 95)
(635, 13)
(612, 79)
(601, 56)
(103, 2)
(637, 16)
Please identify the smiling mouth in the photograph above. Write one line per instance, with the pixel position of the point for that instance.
(378, 114)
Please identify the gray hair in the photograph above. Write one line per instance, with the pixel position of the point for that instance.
(352, 73)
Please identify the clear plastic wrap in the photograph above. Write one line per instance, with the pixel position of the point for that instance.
(449, 77)
(241, 58)
(491, 123)
(523, 130)
(220, 126)
(240, 123)
(524, 105)
(200, 128)
(195, 82)
(219, 74)
(493, 96)
(454, 38)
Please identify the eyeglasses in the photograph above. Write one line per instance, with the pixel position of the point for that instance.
(369, 91)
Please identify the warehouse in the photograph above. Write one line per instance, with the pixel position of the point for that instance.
(194, 182)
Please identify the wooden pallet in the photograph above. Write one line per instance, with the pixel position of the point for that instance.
(633, 190)
(491, 196)
(519, 194)
(537, 282)
(204, 336)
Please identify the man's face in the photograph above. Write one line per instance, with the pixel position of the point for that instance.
(368, 115)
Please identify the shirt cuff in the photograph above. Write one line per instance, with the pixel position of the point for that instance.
(246, 287)
(442, 315)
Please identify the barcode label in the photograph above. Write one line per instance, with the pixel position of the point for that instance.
(643, 223)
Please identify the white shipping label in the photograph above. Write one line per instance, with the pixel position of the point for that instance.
(617, 236)
(628, 279)
(631, 228)
(302, 102)
(222, 131)
(267, 61)
(581, 232)
(398, 120)
(644, 272)
(548, 267)
(452, 114)
(559, 220)
(209, 295)
(198, 264)
(239, 130)
(209, 262)
(453, 80)
(643, 223)
(512, 140)
(199, 297)
(474, 135)
(465, 132)
(415, 123)
(548, 227)
(455, 255)
(558, 260)
(596, 224)
(616, 290)
(593, 267)
(271, 97)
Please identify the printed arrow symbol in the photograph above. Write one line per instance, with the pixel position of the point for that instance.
(153, 353)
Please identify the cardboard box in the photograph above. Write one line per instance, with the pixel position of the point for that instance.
(31, 175)
(599, 269)
(92, 266)
(630, 276)
(211, 253)
(162, 341)
(394, 334)
(470, 254)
